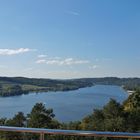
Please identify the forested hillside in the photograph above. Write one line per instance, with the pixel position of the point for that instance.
(20, 85)
(10, 86)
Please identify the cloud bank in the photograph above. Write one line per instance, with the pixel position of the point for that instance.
(41, 61)
(93, 67)
(61, 62)
(42, 56)
(14, 51)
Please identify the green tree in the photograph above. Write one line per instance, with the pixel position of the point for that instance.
(40, 117)
(113, 116)
(18, 121)
(133, 121)
(133, 101)
(3, 121)
(110, 118)
(94, 121)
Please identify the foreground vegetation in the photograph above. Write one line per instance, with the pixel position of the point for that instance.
(19, 85)
(112, 117)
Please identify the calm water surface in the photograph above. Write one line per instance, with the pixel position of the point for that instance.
(67, 105)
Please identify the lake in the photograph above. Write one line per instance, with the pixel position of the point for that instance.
(67, 105)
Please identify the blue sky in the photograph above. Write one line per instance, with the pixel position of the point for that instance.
(70, 38)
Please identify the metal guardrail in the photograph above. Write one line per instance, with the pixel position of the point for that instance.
(42, 132)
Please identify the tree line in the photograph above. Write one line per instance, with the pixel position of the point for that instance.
(10, 86)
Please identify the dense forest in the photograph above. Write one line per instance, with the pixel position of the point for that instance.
(19, 85)
(10, 86)
(113, 117)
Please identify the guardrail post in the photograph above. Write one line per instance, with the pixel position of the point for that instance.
(42, 136)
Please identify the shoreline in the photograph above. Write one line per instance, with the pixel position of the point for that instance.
(130, 92)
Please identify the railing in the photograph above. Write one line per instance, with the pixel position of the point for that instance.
(42, 132)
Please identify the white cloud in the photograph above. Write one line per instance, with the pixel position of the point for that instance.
(41, 61)
(60, 61)
(51, 62)
(71, 61)
(42, 56)
(14, 51)
(94, 67)
(67, 61)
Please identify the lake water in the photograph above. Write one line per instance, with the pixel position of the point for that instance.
(67, 105)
